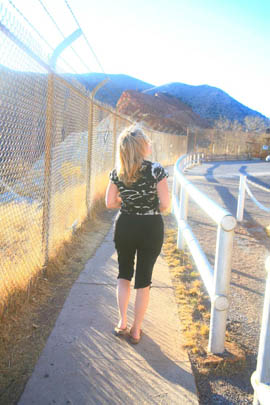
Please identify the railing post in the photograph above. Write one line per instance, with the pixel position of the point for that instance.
(262, 373)
(241, 198)
(222, 276)
(183, 209)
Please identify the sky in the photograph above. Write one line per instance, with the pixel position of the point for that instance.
(222, 43)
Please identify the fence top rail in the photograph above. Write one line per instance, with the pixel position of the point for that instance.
(219, 215)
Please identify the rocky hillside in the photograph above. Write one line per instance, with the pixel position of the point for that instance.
(112, 90)
(161, 112)
(209, 102)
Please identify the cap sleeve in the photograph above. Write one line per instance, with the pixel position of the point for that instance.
(158, 172)
(113, 176)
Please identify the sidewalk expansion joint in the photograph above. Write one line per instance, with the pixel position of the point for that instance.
(114, 284)
(93, 283)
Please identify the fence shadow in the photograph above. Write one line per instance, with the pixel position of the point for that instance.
(230, 202)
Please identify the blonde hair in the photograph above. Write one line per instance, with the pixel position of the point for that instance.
(132, 144)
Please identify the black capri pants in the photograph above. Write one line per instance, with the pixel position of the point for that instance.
(141, 235)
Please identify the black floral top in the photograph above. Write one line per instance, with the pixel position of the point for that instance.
(141, 196)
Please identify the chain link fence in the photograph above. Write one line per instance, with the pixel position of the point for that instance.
(227, 145)
(57, 147)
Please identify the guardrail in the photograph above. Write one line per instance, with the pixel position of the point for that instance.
(260, 379)
(216, 281)
(243, 187)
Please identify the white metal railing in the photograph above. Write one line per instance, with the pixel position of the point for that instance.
(216, 281)
(260, 379)
(243, 188)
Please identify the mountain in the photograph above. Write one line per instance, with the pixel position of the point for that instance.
(112, 90)
(161, 112)
(209, 102)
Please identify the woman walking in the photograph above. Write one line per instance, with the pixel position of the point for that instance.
(139, 188)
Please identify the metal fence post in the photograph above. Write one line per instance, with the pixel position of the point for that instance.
(183, 208)
(90, 142)
(48, 168)
(222, 275)
(262, 373)
(241, 198)
(114, 137)
(89, 155)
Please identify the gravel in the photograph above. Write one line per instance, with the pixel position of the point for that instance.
(251, 246)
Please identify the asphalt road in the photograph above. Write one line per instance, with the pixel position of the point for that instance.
(252, 168)
(220, 182)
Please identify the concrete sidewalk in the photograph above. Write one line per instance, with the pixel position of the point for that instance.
(84, 363)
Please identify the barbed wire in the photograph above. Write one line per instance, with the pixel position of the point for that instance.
(37, 32)
(91, 49)
(30, 24)
(63, 35)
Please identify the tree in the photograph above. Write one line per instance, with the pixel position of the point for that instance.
(236, 126)
(254, 123)
(223, 124)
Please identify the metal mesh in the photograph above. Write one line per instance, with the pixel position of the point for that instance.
(166, 148)
(225, 144)
(102, 159)
(67, 175)
(23, 99)
(57, 147)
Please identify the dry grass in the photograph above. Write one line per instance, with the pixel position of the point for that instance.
(32, 295)
(21, 250)
(22, 247)
(194, 311)
(25, 329)
(193, 303)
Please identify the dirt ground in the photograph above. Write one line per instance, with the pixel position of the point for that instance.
(23, 334)
(250, 248)
(24, 331)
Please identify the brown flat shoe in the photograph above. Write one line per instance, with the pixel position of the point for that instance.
(119, 331)
(134, 340)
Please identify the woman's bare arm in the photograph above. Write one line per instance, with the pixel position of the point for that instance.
(163, 195)
(112, 199)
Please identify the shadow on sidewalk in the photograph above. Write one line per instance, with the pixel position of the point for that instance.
(85, 363)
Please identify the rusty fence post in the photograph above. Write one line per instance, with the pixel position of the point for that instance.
(48, 168)
(89, 155)
(114, 138)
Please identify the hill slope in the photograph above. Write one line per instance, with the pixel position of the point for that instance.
(209, 102)
(111, 91)
(160, 112)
